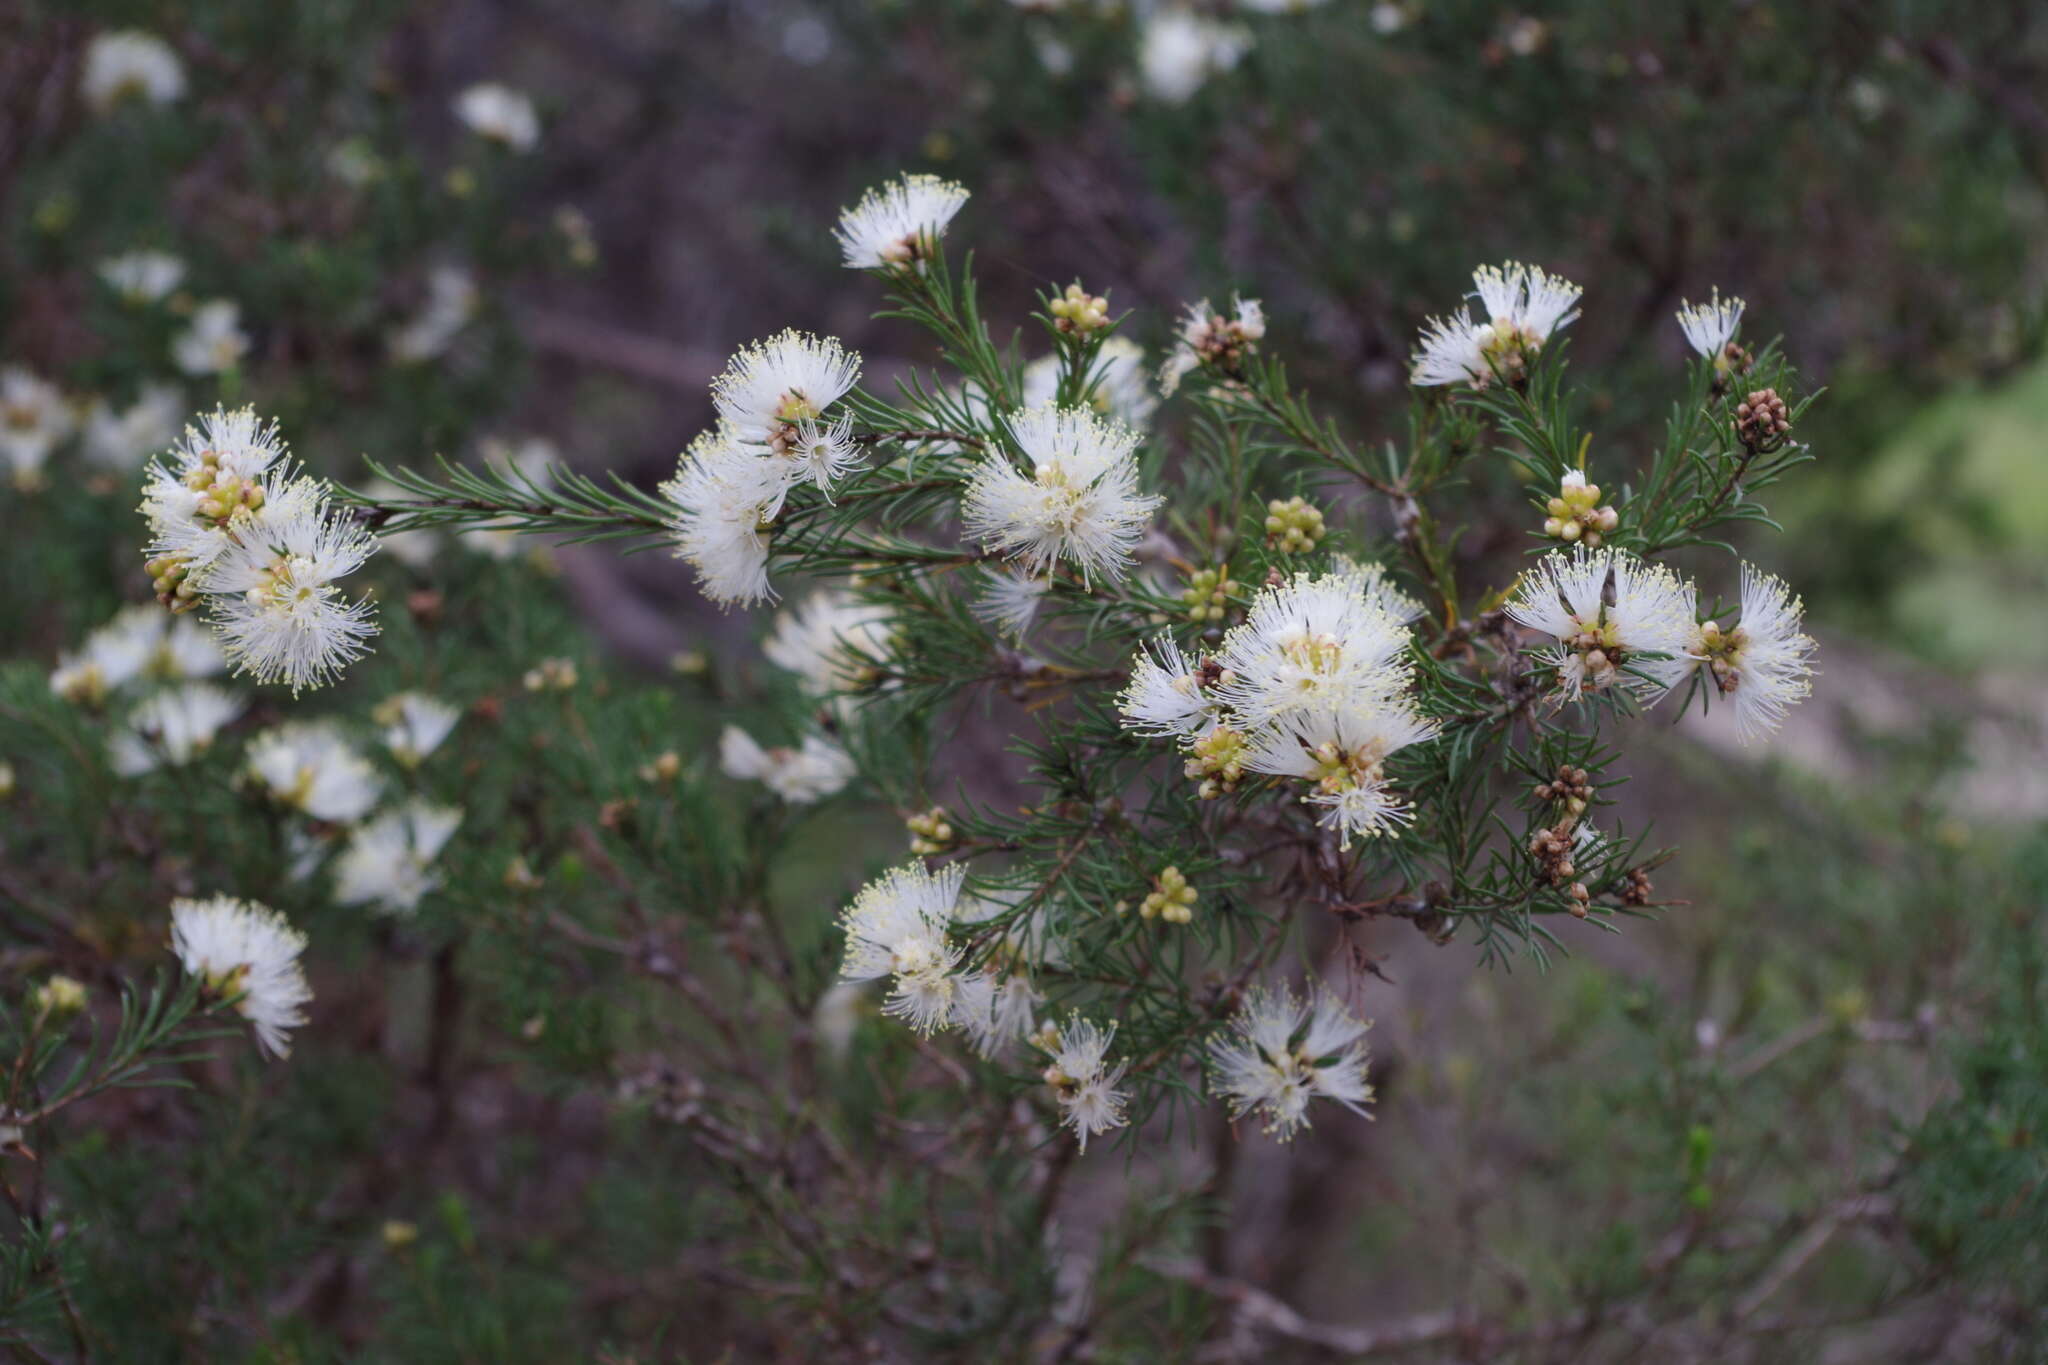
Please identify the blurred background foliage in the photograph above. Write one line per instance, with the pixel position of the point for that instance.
(1802, 1117)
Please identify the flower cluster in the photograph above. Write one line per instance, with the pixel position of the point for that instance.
(1209, 338)
(773, 433)
(1077, 502)
(1619, 621)
(247, 954)
(236, 528)
(1280, 1052)
(1311, 686)
(1520, 308)
(1083, 1082)
(899, 223)
(801, 776)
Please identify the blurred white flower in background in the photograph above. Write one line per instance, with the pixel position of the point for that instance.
(311, 767)
(387, 864)
(214, 340)
(1180, 50)
(450, 305)
(172, 727)
(34, 418)
(500, 113)
(121, 439)
(829, 641)
(415, 724)
(800, 776)
(130, 64)
(142, 276)
(1123, 389)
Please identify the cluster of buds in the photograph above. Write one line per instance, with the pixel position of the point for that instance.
(930, 832)
(1731, 363)
(1575, 514)
(1722, 651)
(1293, 525)
(1223, 342)
(1171, 899)
(1572, 788)
(1552, 849)
(1078, 313)
(170, 577)
(552, 675)
(1636, 888)
(1762, 422)
(1208, 593)
(1217, 760)
(666, 767)
(221, 495)
(58, 998)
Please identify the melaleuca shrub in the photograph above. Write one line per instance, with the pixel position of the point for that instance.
(1245, 713)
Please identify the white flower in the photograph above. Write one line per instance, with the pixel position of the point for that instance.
(1601, 644)
(1453, 351)
(414, 725)
(1372, 581)
(387, 864)
(1280, 1053)
(1168, 695)
(172, 727)
(1311, 643)
(1080, 502)
(898, 222)
(121, 440)
(501, 114)
(182, 649)
(34, 418)
(725, 499)
(128, 64)
(214, 341)
(1179, 50)
(800, 776)
(142, 276)
(833, 642)
(229, 468)
(138, 641)
(450, 304)
(250, 954)
(1208, 337)
(1520, 307)
(994, 1009)
(897, 927)
(772, 400)
(1766, 662)
(1121, 388)
(1342, 750)
(1710, 326)
(1083, 1082)
(111, 656)
(311, 767)
(836, 1015)
(272, 594)
(1009, 600)
(997, 1004)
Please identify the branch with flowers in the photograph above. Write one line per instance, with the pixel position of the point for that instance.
(1250, 722)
